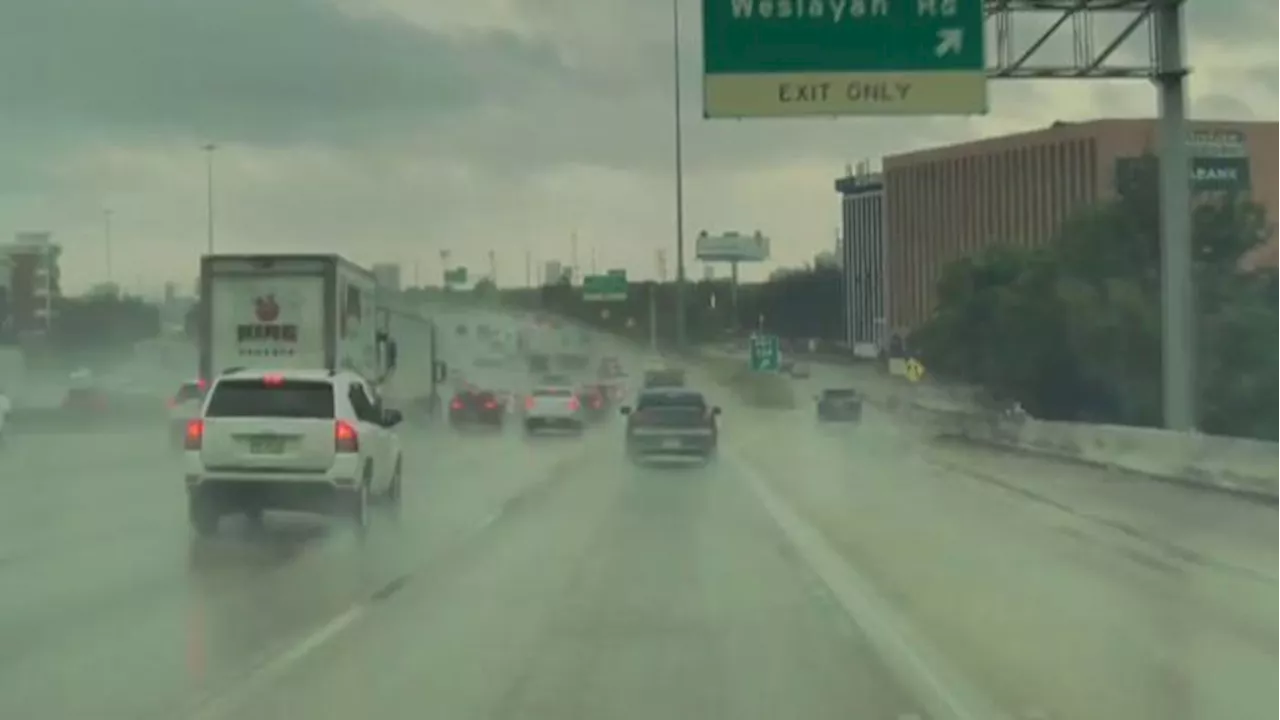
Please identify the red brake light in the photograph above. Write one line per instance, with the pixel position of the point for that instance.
(490, 405)
(528, 403)
(273, 380)
(345, 437)
(201, 384)
(574, 404)
(193, 439)
(456, 405)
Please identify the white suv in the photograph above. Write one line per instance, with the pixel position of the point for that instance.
(310, 440)
(552, 407)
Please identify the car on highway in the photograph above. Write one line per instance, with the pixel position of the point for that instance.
(610, 369)
(597, 402)
(305, 440)
(539, 363)
(183, 406)
(672, 422)
(836, 404)
(553, 408)
(572, 362)
(476, 408)
(664, 378)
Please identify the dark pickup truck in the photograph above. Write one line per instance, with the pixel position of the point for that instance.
(671, 422)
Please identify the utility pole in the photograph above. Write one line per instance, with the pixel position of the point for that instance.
(528, 269)
(573, 249)
(106, 241)
(679, 162)
(208, 150)
(493, 268)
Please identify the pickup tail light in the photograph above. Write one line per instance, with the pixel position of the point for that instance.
(345, 437)
(193, 438)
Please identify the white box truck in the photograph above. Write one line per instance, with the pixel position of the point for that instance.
(291, 311)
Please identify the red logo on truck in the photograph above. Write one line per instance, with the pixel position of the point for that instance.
(266, 329)
(266, 308)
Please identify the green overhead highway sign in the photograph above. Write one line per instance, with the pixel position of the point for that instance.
(604, 288)
(778, 58)
(456, 276)
(766, 353)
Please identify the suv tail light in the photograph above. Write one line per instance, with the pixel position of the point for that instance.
(528, 402)
(574, 404)
(345, 437)
(455, 405)
(193, 439)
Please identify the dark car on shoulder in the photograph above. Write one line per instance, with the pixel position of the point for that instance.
(671, 422)
(476, 408)
(837, 404)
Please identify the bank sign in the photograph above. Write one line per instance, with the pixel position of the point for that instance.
(1208, 174)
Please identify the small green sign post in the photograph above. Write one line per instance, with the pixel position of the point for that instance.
(766, 353)
(456, 276)
(781, 58)
(604, 288)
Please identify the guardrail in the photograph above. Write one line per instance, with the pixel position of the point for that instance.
(1235, 465)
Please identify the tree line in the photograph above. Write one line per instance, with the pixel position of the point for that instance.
(1073, 329)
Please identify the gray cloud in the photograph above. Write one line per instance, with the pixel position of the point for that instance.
(272, 72)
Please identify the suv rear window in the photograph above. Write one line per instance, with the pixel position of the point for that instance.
(255, 398)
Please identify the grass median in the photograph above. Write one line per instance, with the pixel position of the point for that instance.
(769, 391)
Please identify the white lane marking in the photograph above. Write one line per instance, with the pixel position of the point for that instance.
(939, 688)
(225, 705)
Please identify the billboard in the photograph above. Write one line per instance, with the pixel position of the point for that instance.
(732, 247)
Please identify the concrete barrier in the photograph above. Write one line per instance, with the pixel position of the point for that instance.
(1236, 465)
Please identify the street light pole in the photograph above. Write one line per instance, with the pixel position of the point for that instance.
(679, 159)
(208, 149)
(106, 238)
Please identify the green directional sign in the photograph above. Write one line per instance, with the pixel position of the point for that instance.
(766, 353)
(604, 288)
(456, 276)
(780, 58)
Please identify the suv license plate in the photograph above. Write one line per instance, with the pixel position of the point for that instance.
(671, 444)
(266, 446)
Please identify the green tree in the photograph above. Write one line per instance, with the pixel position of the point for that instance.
(1073, 330)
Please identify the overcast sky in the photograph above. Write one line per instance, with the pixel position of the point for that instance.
(389, 130)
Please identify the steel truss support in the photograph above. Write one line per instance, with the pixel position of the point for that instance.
(1016, 60)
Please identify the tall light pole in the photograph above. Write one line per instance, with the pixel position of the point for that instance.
(208, 150)
(675, 51)
(106, 241)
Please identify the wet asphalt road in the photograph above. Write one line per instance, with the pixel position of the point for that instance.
(810, 572)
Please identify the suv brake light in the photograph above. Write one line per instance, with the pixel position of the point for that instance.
(345, 437)
(574, 404)
(456, 405)
(193, 439)
(528, 403)
(273, 380)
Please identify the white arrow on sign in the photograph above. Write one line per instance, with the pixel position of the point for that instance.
(950, 41)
